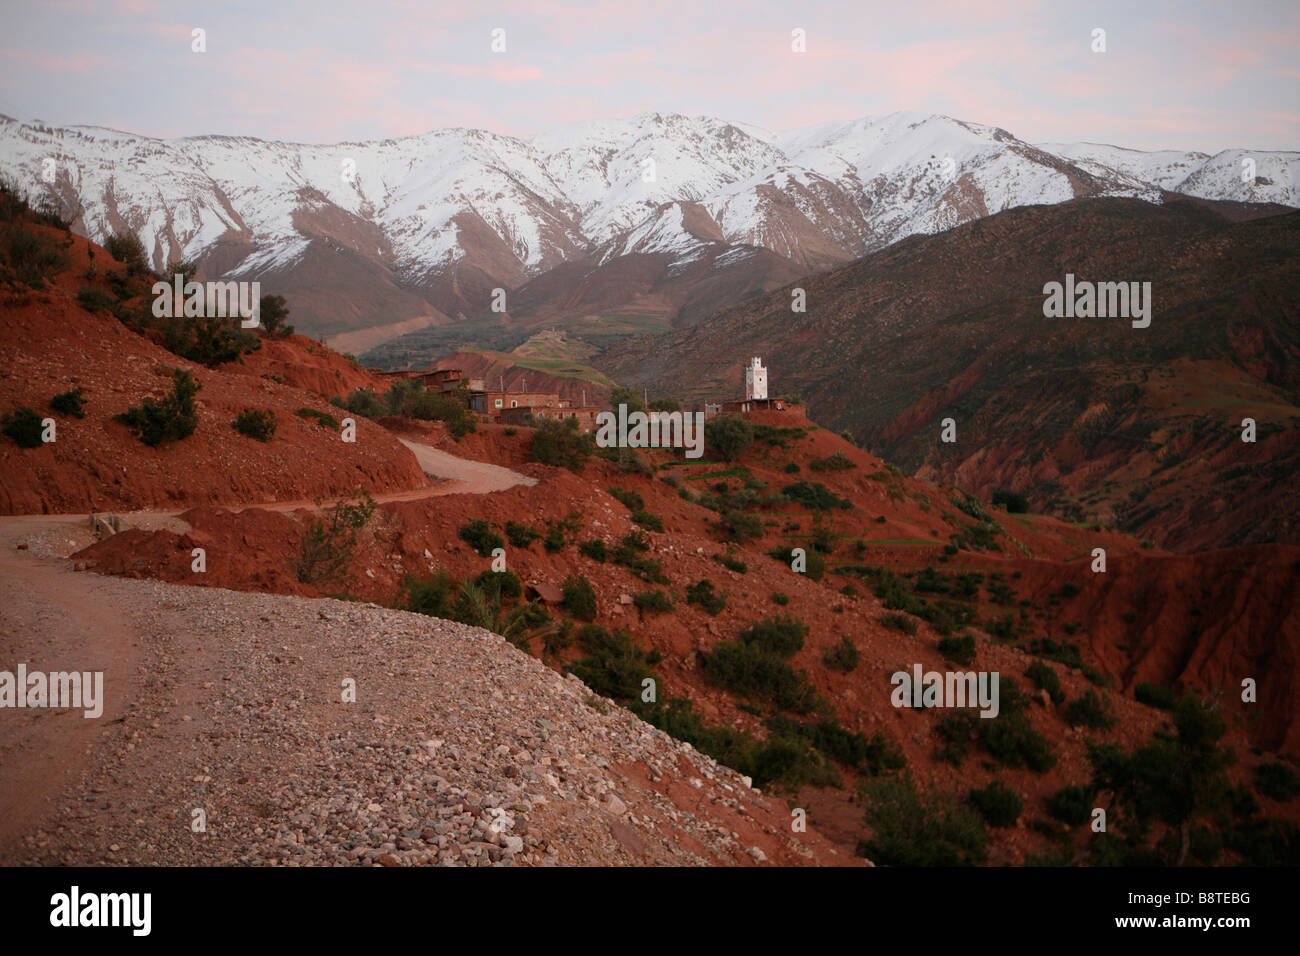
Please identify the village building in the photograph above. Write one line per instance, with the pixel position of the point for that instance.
(755, 392)
(532, 414)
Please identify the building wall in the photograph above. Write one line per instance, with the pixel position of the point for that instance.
(520, 415)
(755, 380)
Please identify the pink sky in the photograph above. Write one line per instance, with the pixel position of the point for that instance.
(1178, 75)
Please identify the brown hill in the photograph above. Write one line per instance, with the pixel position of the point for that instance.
(50, 343)
(1090, 418)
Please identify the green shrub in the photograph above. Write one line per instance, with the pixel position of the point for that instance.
(900, 622)
(23, 425)
(782, 635)
(431, 595)
(1154, 695)
(558, 532)
(780, 598)
(998, 804)
(594, 549)
(29, 256)
(630, 499)
(843, 657)
(411, 399)
(1045, 678)
(960, 649)
(1089, 711)
(1071, 805)
(728, 436)
(741, 527)
(272, 311)
(814, 563)
(749, 669)
(1012, 739)
(614, 665)
(792, 468)
(562, 444)
(321, 418)
(70, 403)
(363, 402)
(836, 462)
(1277, 781)
(328, 544)
(647, 520)
(126, 247)
(96, 300)
(655, 601)
(579, 598)
(814, 495)
(909, 830)
(702, 593)
(731, 563)
(211, 340)
(501, 584)
(172, 419)
(630, 554)
(956, 732)
(255, 424)
(521, 535)
(479, 535)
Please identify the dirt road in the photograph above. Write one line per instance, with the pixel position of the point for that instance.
(82, 622)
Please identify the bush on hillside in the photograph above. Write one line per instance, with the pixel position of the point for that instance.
(70, 403)
(998, 804)
(728, 436)
(843, 657)
(255, 424)
(562, 444)
(479, 535)
(23, 425)
(173, 418)
(702, 593)
(328, 544)
(579, 598)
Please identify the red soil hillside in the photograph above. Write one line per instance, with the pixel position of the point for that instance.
(50, 344)
(903, 526)
(298, 361)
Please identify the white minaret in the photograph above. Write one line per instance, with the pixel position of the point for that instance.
(755, 380)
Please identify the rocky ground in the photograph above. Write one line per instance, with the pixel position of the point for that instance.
(459, 749)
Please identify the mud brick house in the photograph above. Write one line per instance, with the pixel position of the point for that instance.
(531, 414)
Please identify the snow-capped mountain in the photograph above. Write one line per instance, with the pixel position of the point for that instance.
(1239, 175)
(442, 218)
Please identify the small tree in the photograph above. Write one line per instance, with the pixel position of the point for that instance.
(580, 598)
(173, 418)
(729, 436)
(627, 396)
(273, 312)
(560, 443)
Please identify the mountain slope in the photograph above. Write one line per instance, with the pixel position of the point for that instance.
(423, 229)
(1094, 419)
